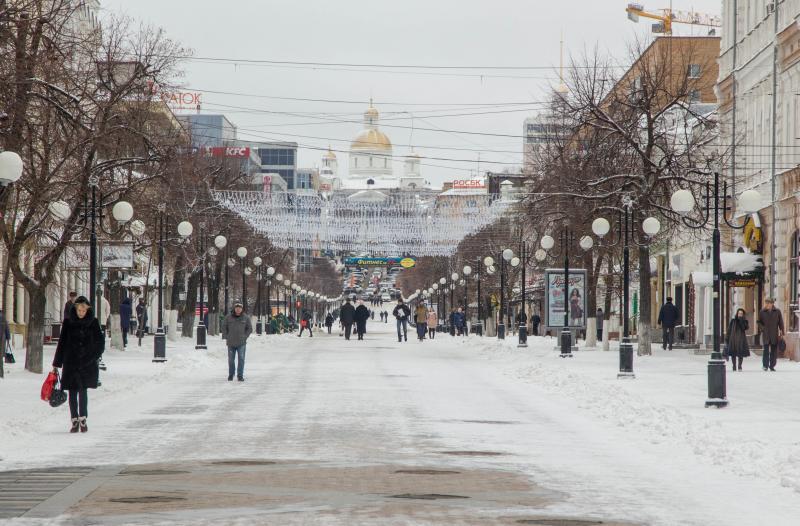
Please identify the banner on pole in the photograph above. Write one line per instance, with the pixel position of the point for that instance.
(554, 296)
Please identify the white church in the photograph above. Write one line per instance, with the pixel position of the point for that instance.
(371, 167)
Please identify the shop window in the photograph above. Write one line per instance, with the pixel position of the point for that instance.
(794, 261)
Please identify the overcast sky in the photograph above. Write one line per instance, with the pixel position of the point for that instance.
(409, 32)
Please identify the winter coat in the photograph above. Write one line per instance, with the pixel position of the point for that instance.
(236, 329)
(459, 319)
(600, 320)
(769, 321)
(362, 314)
(536, 320)
(432, 319)
(125, 314)
(329, 320)
(80, 346)
(737, 338)
(421, 314)
(668, 315)
(67, 309)
(401, 312)
(522, 318)
(347, 314)
(306, 315)
(141, 314)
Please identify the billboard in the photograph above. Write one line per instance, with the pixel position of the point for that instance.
(554, 298)
(235, 152)
(380, 262)
(110, 255)
(469, 183)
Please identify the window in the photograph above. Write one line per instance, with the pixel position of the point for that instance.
(694, 96)
(693, 71)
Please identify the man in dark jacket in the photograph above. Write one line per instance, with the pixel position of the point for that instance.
(329, 322)
(68, 305)
(347, 316)
(361, 316)
(535, 321)
(770, 321)
(667, 318)
(305, 323)
(236, 328)
(401, 313)
(125, 319)
(600, 320)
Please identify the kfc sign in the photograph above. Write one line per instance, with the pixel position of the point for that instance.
(237, 152)
(469, 183)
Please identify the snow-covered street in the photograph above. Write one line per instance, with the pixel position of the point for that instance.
(588, 446)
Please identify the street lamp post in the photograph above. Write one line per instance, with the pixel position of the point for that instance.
(242, 253)
(454, 276)
(683, 203)
(268, 319)
(443, 319)
(259, 325)
(626, 235)
(467, 270)
(567, 238)
(160, 339)
(505, 257)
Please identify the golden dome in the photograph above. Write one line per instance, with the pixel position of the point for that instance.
(371, 139)
(371, 112)
(329, 154)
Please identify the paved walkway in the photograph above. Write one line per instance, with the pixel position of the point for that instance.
(326, 431)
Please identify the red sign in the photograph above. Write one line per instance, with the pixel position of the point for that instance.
(469, 183)
(197, 310)
(237, 152)
(182, 100)
(267, 182)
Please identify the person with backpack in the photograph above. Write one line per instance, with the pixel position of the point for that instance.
(80, 347)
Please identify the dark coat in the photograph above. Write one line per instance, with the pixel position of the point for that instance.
(459, 319)
(329, 320)
(522, 318)
(536, 320)
(347, 314)
(361, 314)
(80, 346)
(125, 314)
(737, 338)
(141, 313)
(770, 321)
(668, 315)
(401, 312)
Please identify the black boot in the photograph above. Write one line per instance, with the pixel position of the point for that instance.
(74, 428)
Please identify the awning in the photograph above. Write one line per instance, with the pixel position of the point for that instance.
(702, 279)
(741, 265)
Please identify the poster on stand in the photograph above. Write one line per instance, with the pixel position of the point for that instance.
(554, 296)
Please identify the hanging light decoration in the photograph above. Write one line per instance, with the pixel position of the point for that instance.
(399, 224)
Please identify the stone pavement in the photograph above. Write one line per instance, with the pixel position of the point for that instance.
(282, 492)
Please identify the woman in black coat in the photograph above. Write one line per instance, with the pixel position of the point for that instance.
(737, 347)
(80, 346)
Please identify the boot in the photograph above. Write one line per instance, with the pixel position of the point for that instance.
(74, 428)
(82, 422)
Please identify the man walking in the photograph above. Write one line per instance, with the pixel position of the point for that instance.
(141, 317)
(667, 318)
(401, 313)
(236, 328)
(361, 317)
(347, 316)
(125, 319)
(69, 304)
(770, 321)
(535, 321)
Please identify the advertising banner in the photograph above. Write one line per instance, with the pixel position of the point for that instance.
(554, 298)
(380, 262)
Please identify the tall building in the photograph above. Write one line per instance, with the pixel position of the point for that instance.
(209, 130)
(760, 117)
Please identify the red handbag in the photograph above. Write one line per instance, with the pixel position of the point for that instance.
(48, 386)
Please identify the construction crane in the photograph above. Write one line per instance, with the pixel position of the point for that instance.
(666, 17)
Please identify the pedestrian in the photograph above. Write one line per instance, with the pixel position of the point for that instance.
(770, 322)
(600, 319)
(236, 328)
(104, 314)
(305, 323)
(386, 316)
(125, 314)
(5, 338)
(372, 315)
(69, 303)
(738, 348)
(329, 322)
(401, 313)
(452, 320)
(432, 322)
(80, 348)
(461, 322)
(361, 316)
(141, 316)
(667, 318)
(347, 316)
(536, 320)
(421, 319)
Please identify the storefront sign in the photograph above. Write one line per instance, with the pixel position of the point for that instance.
(236, 152)
(554, 296)
(469, 183)
(742, 282)
(380, 262)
